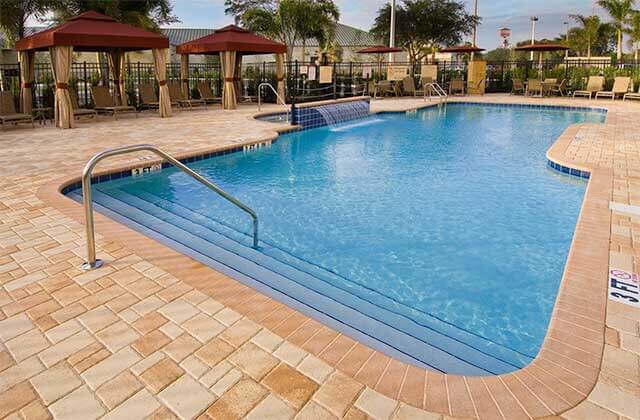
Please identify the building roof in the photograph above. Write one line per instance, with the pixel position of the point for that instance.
(231, 38)
(93, 31)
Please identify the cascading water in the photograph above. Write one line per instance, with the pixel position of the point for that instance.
(345, 111)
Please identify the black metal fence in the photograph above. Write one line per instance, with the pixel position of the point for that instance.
(302, 79)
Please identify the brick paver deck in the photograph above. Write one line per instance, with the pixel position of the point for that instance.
(155, 334)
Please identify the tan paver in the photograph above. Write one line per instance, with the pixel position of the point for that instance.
(57, 321)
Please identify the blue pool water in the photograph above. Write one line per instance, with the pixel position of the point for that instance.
(438, 236)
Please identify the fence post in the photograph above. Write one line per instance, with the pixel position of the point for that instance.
(84, 77)
(294, 91)
(335, 82)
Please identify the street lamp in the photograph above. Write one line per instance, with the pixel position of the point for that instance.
(505, 33)
(534, 19)
(566, 25)
(392, 30)
(475, 27)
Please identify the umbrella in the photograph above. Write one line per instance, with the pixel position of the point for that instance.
(379, 50)
(541, 48)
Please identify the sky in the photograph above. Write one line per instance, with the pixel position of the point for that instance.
(495, 14)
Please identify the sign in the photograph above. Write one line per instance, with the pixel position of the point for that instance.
(326, 74)
(395, 73)
(146, 170)
(303, 69)
(311, 73)
(366, 71)
(624, 287)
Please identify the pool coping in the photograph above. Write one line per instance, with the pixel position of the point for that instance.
(561, 375)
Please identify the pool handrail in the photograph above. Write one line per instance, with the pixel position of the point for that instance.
(92, 262)
(263, 85)
(437, 89)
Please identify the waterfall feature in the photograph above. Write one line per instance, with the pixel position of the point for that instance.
(331, 114)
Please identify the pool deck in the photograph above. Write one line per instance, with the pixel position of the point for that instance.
(154, 334)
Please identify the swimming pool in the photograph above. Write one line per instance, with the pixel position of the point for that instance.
(437, 236)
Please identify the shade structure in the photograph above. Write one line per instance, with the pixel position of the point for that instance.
(91, 31)
(232, 38)
(231, 43)
(542, 47)
(462, 49)
(379, 49)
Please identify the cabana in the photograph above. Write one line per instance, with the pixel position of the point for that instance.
(94, 32)
(232, 42)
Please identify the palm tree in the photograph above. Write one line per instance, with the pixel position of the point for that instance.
(619, 10)
(634, 33)
(14, 14)
(588, 30)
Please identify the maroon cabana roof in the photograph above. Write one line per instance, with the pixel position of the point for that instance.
(232, 38)
(379, 49)
(93, 31)
(542, 47)
(461, 49)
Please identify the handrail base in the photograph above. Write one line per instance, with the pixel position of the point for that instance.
(88, 266)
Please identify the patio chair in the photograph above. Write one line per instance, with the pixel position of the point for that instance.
(77, 111)
(595, 84)
(104, 103)
(456, 86)
(559, 88)
(534, 88)
(409, 87)
(620, 88)
(176, 95)
(383, 87)
(8, 114)
(206, 94)
(517, 87)
(632, 95)
(148, 97)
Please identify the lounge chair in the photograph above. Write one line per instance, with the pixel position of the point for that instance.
(534, 86)
(77, 111)
(148, 97)
(620, 88)
(517, 86)
(632, 95)
(559, 88)
(595, 84)
(8, 114)
(206, 94)
(409, 87)
(457, 86)
(104, 103)
(176, 95)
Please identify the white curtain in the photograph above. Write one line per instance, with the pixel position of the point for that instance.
(27, 74)
(280, 75)
(184, 74)
(159, 61)
(116, 67)
(228, 61)
(61, 56)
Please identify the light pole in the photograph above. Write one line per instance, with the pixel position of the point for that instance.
(475, 27)
(392, 30)
(566, 53)
(534, 19)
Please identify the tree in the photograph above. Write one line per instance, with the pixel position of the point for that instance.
(587, 33)
(292, 21)
(14, 15)
(147, 14)
(422, 25)
(620, 11)
(634, 33)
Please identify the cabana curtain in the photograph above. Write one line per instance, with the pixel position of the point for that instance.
(27, 76)
(280, 75)
(238, 75)
(116, 67)
(161, 74)
(61, 56)
(184, 74)
(228, 61)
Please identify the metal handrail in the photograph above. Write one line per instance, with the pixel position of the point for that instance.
(435, 87)
(92, 262)
(260, 86)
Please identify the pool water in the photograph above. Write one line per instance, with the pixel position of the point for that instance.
(438, 236)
